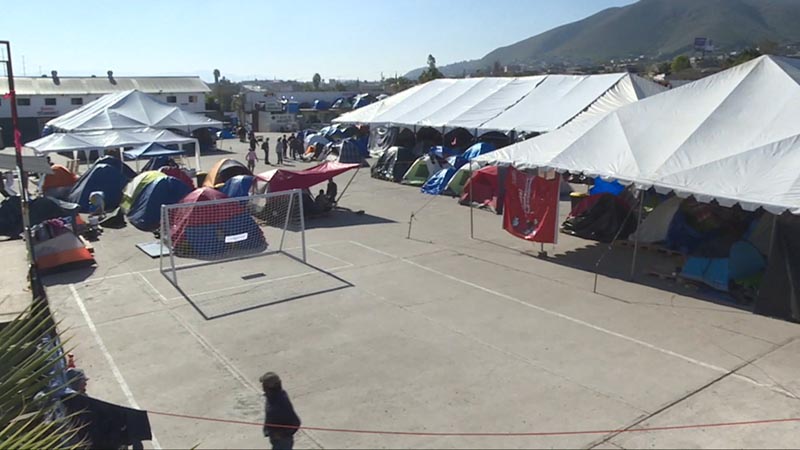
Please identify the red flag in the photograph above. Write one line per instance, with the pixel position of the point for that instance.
(7, 96)
(531, 207)
(17, 139)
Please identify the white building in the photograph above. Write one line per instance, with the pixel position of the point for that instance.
(40, 99)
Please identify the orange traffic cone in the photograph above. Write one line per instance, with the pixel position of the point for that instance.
(70, 361)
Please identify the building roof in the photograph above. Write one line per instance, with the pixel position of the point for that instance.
(104, 85)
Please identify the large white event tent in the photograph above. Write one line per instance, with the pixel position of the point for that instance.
(527, 104)
(733, 137)
(122, 119)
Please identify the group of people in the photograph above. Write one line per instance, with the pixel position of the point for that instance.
(285, 147)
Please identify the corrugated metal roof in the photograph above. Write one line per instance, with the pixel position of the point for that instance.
(102, 85)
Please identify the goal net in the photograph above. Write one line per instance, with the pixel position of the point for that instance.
(214, 231)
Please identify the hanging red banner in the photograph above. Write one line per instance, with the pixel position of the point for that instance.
(531, 206)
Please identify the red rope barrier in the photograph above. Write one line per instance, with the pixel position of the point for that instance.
(488, 434)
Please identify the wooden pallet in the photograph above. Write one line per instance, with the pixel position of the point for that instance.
(86, 244)
(650, 247)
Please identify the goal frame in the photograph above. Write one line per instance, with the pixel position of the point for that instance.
(165, 237)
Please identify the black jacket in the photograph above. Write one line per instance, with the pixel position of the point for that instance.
(279, 411)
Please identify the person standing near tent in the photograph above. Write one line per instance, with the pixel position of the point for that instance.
(265, 147)
(252, 159)
(279, 151)
(280, 421)
(285, 145)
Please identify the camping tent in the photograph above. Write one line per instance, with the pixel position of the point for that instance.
(485, 188)
(129, 110)
(530, 104)
(457, 181)
(204, 230)
(144, 212)
(393, 164)
(731, 137)
(224, 170)
(238, 186)
(109, 176)
(58, 183)
(422, 169)
(150, 150)
(136, 186)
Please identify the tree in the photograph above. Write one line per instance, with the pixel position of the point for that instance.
(664, 67)
(316, 80)
(217, 87)
(768, 47)
(681, 63)
(432, 72)
(746, 55)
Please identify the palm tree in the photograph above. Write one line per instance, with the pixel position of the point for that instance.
(31, 358)
(219, 89)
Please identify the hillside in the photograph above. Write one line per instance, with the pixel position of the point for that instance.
(654, 28)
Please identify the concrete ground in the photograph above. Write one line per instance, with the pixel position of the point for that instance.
(438, 333)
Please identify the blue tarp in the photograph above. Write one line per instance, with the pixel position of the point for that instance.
(438, 182)
(145, 213)
(150, 150)
(457, 161)
(683, 237)
(108, 175)
(606, 187)
(478, 149)
(225, 134)
(321, 105)
(238, 186)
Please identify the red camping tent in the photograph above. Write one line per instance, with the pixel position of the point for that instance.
(484, 185)
(286, 180)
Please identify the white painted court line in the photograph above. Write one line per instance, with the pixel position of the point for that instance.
(109, 359)
(225, 362)
(330, 256)
(582, 323)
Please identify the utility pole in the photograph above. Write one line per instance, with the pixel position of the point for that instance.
(23, 176)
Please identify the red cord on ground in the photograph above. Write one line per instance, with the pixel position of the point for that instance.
(488, 434)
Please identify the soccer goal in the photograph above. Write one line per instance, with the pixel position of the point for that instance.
(209, 230)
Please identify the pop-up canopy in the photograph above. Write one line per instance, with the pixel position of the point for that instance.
(150, 151)
(128, 110)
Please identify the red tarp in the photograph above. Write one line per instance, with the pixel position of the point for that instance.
(531, 206)
(286, 180)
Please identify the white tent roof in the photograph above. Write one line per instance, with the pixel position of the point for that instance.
(733, 137)
(129, 109)
(531, 104)
(101, 140)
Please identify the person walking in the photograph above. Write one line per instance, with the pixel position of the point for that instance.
(252, 159)
(279, 151)
(280, 420)
(285, 147)
(265, 147)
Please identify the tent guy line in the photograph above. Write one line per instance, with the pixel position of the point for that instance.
(574, 320)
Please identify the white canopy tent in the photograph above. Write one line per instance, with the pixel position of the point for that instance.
(129, 110)
(527, 104)
(733, 137)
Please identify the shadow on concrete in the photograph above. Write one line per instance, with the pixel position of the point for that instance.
(68, 276)
(343, 284)
(343, 217)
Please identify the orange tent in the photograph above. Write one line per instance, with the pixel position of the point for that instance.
(61, 177)
(223, 170)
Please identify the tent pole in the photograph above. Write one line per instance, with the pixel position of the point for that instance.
(471, 212)
(347, 185)
(196, 153)
(636, 238)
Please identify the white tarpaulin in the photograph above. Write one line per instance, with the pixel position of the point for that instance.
(530, 104)
(733, 137)
(102, 140)
(127, 110)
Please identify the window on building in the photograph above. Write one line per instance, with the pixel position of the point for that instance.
(172, 99)
(76, 100)
(192, 99)
(50, 101)
(22, 101)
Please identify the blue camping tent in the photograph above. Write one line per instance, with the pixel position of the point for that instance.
(238, 186)
(744, 261)
(108, 175)
(601, 186)
(321, 105)
(478, 149)
(145, 213)
(437, 184)
(443, 152)
(150, 150)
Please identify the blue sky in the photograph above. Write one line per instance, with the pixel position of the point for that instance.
(288, 39)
